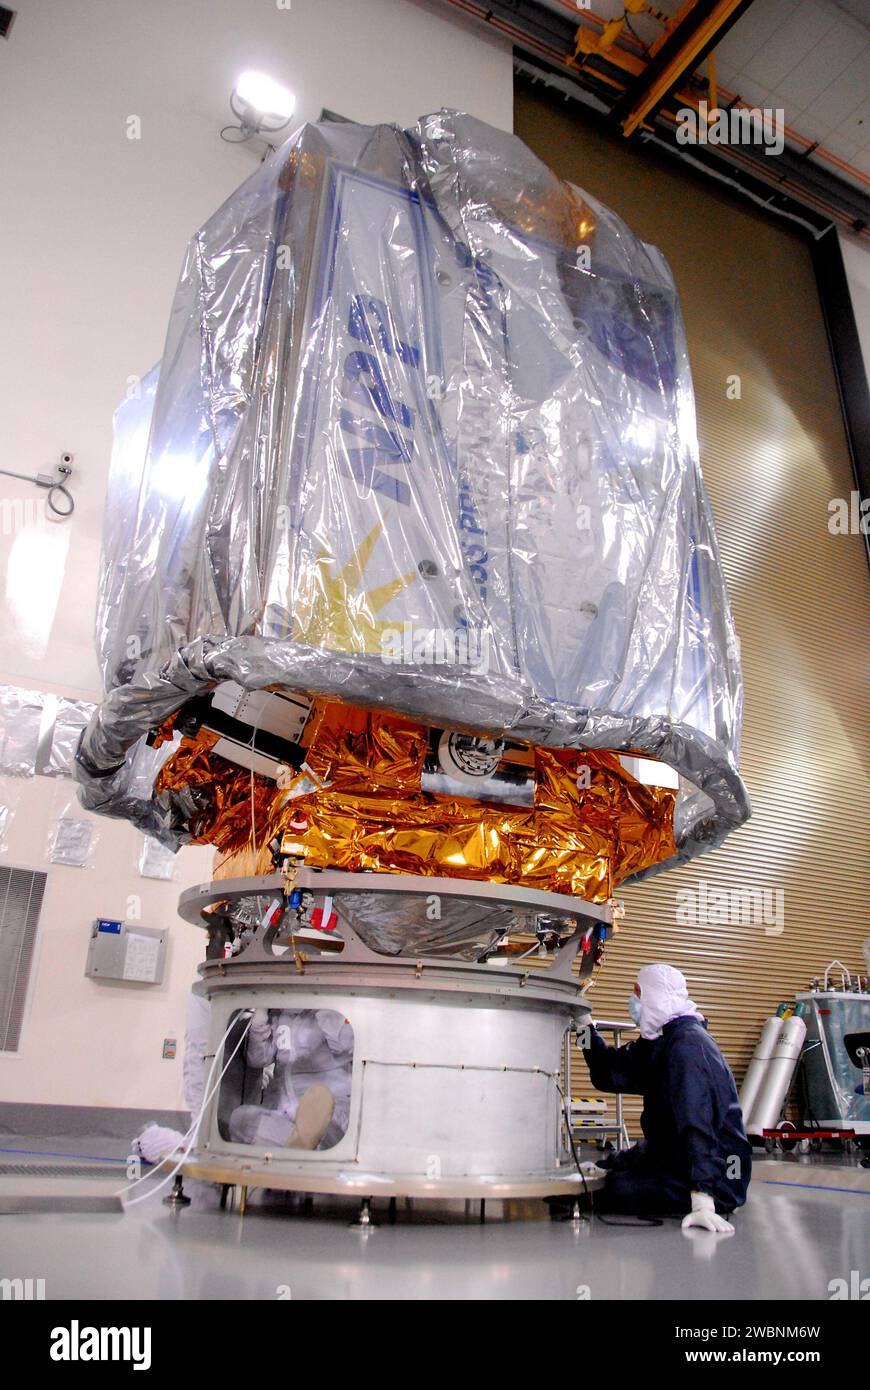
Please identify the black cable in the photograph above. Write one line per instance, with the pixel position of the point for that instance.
(590, 1196)
(574, 1154)
(634, 1221)
(242, 137)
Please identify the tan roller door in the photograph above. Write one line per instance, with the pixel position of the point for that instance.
(801, 596)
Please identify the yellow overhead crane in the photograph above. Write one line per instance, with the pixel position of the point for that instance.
(655, 74)
(588, 41)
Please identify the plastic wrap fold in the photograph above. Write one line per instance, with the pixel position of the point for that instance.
(423, 440)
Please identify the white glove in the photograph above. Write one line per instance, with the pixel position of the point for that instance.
(260, 1018)
(703, 1215)
(156, 1142)
(592, 1170)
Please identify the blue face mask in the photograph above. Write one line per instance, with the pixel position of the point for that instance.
(634, 1008)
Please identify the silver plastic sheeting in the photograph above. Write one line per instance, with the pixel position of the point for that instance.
(117, 648)
(71, 718)
(156, 860)
(401, 924)
(410, 390)
(72, 839)
(39, 733)
(20, 723)
(835, 1091)
(7, 816)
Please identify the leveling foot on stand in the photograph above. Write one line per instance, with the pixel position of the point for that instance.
(176, 1197)
(364, 1221)
(574, 1209)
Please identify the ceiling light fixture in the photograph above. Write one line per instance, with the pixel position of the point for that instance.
(262, 106)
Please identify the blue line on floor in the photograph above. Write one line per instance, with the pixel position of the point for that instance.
(817, 1187)
(44, 1153)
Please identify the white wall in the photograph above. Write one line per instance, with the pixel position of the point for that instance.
(92, 233)
(88, 1042)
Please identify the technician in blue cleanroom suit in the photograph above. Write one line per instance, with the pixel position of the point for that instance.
(694, 1157)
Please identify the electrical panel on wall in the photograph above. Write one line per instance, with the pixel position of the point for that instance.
(119, 951)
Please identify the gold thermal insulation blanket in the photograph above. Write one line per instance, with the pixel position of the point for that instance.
(359, 804)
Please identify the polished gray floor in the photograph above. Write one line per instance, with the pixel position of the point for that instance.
(807, 1222)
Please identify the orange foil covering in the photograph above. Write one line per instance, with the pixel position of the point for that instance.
(371, 813)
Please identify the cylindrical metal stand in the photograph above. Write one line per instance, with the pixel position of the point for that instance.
(454, 1088)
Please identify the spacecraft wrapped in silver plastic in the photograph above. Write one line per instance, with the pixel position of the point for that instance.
(423, 440)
